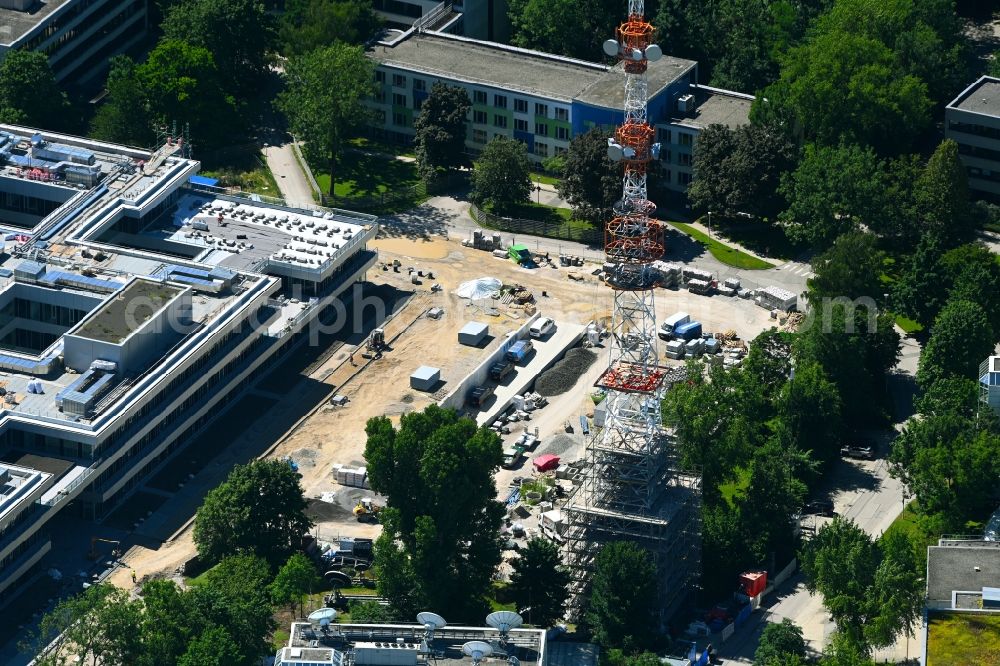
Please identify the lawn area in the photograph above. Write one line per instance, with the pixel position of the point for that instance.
(364, 143)
(908, 325)
(760, 237)
(733, 489)
(250, 175)
(543, 178)
(727, 255)
(963, 639)
(374, 181)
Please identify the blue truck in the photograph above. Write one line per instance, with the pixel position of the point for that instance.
(518, 351)
(688, 331)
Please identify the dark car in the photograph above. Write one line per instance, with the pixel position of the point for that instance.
(480, 395)
(500, 369)
(858, 451)
(819, 508)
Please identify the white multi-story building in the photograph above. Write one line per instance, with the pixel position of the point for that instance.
(134, 305)
(972, 120)
(78, 36)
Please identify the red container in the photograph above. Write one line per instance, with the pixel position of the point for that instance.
(753, 582)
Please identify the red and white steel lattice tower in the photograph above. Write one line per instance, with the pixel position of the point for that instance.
(631, 488)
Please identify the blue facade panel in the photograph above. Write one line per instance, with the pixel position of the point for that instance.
(527, 138)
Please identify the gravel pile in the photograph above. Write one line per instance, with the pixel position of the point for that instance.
(562, 376)
(559, 444)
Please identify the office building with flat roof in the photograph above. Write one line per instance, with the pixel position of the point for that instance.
(542, 99)
(972, 120)
(78, 36)
(134, 306)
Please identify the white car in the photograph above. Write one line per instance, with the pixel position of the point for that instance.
(542, 327)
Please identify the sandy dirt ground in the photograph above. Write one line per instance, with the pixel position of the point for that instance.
(328, 435)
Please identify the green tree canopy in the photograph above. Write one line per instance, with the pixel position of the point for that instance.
(960, 339)
(311, 24)
(123, 117)
(29, 94)
(851, 268)
(574, 28)
(182, 85)
(809, 413)
(238, 33)
(780, 642)
(830, 191)
(739, 170)
(872, 591)
(259, 509)
(921, 290)
(539, 583)
(591, 183)
(941, 194)
(972, 273)
(501, 180)
(846, 87)
(621, 611)
(440, 130)
(440, 541)
(324, 100)
(295, 579)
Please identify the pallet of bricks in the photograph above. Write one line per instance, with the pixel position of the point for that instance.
(354, 477)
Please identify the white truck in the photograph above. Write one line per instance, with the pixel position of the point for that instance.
(670, 323)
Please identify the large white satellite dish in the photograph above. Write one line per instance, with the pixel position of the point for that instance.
(653, 52)
(323, 614)
(478, 650)
(431, 622)
(503, 621)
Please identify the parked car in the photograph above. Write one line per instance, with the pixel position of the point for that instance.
(501, 369)
(480, 395)
(819, 508)
(863, 450)
(541, 327)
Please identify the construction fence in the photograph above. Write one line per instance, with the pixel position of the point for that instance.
(560, 230)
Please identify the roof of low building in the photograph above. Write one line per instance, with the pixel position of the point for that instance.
(15, 24)
(966, 566)
(717, 107)
(531, 72)
(983, 96)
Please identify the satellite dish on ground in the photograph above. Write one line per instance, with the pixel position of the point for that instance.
(338, 579)
(611, 47)
(653, 52)
(431, 622)
(478, 650)
(503, 621)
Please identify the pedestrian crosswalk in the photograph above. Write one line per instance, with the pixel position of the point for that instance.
(797, 268)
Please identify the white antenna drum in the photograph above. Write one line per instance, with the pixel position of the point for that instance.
(431, 622)
(503, 621)
(327, 614)
(478, 650)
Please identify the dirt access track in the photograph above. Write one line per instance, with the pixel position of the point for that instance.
(317, 435)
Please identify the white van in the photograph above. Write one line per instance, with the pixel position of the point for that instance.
(667, 329)
(542, 327)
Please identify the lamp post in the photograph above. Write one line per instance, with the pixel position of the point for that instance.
(709, 224)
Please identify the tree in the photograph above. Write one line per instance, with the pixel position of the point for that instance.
(170, 620)
(941, 194)
(238, 33)
(183, 86)
(213, 647)
(235, 598)
(846, 87)
(259, 509)
(572, 28)
(621, 611)
(921, 290)
(296, 578)
(616, 657)
(973, 274)
(29, 94)
(123, 117)
(440, 541)
(830, 191)
(370, 612)
(311, 24)
(501, 180)
(539, 583)
(870, 592)
(960, 339)
(739, 170)
(779, 643)
(851, 268)
(809, 413)
(440, 130)
(896, 210)
(591, 182)
(324, 99)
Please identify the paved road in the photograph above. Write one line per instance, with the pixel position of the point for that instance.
(862, 491)
(294, 186)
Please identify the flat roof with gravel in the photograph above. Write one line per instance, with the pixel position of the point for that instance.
(531, 72)
(983, 96)
(15, 24)
(714, 108)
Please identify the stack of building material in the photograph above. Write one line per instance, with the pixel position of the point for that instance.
(354, 477)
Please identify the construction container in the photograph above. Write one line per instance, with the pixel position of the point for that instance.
(726, 291)
(732, 283)
(696, 274)
(753, 583)
(425, 378)
(688, 330)
(473, 333)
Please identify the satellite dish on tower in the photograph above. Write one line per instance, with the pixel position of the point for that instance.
(653, 52)
(478, 650)
(431, 622)
(611, 47)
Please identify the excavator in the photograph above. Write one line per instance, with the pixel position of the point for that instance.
(375, 344)
(115, 552)
(367, 510)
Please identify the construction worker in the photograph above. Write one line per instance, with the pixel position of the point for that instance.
(351, 357)
(133, 576)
